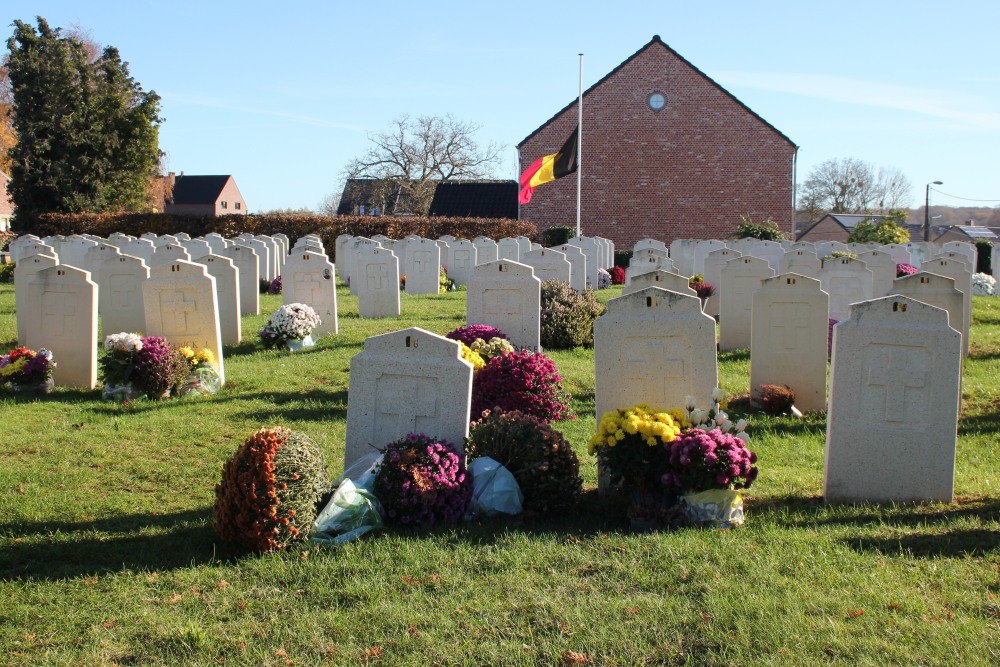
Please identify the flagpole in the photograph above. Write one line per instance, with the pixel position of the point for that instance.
(579, 150)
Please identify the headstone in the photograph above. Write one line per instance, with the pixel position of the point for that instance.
(486, 249)
(167, 253)
(97, 258)
(263, 251)
(166, 239)
(273, 249)
(771, 251)
(962, 275)
(967, 250)
(72, 251)
(217, 242)
(995, 260)
(461, 261)
(422, 267)
(592, 252)
(64, 321)
(149, 236)
(655, 347)
(507, 295)
(714, 262)
(646, 262)
(682, 252)
(802, 262)
(409, 381)
(523, 246)
(378, 282)
(508, 248)
(741, 277)
(548, 264)
(227, 293)
(248, 264)
(356, 244)
(899, 253)
(32, 249)
(894, 393)
(181, 306)
(673, 282)
(197, 248)
(577, 266)
(283, 245)
(883, 268)
(788, 340)
(310, 279)
(17, 245)
(182, 236)
(142, 248)
(937, 291)
(340, 256)
(649, 243)
(607, 257)
(120, 302)
(847, 281)
(827, 248)
(701, 250)
(24, 306)
(920, 251)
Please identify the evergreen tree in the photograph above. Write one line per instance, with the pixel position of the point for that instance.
(87, 134)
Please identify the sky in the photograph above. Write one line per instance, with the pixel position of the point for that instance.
(283, 95)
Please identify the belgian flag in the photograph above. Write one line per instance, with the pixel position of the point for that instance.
(549, 168)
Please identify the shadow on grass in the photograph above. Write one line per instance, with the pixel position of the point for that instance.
(987, 422)
(54, 550)
(950, 544)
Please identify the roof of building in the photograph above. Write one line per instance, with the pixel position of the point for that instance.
(846, 220)
(656, 40)
(973, 232)
(476, 199)
(198, 189)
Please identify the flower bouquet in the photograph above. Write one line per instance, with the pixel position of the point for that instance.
(117, 364)
(203, 376)
(701, 288)
(27, 370)
(494, 347)
(469, 333)
(617, 275)
(525, 381)
(445, 284)
(422, 481)
(903, 270)
(984, 284)
(158, 369)
(290, 326)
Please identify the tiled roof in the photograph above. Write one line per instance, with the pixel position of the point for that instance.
(476, 199)
(198, 189)
(976, 232)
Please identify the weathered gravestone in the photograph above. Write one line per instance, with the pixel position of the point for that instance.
(801, 261)
(422, 267)
(894, 392)
(577, 266)
(682, 253)
(741, 277)
(713, 264)
(508, 248)
(120, 302)
(788, 340)
(486, 250)
(920, 251)
(311, 279)
(181, 306)
(883, 268)
(72, 250)
(273, 249)
(24, 270)
(962, 275)
(227, 294)
(247, 263)
(647, 242)
(263, 251)
(523, 245)
(701, 250)
(340, 254)
(673, 282)
(354, 246)
(63, 319)
(142, 248)
(409, 381)
(900, 253)
(168, 253)
(197, 248)
(937, 291)
(655, 347)
(507, 295)
(966, 250)
(217, 242)
(461, 261)
(771, 251)
(548, 264)
(96, 258)
(847, 281)
(646, 261)
(592, 252)
(16, 246)
(378, 282)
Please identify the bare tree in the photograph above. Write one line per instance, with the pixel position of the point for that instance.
(329, 205)
(411, 158)
(849, 185)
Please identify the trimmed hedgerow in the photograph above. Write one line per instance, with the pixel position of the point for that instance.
(567, 317)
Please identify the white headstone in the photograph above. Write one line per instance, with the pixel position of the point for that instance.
(771, 251)
(548, 264)
(645, 262)
(847, 281)
(263, 251)
(217, 242)
(701, 250)
(167, 253)
(673, 282)
(73, 251)
(248, 264)
(827, 248)
(340, 256)
(577, 266)
(741, 277)
(592, 252)
(181, 306)
(523, 246)
(353, 247)
(899, 253)
(714, 262)
(894, 393)
(801, 261)
(97, 257)
(409, 381)
(967, 250)
(422, 267)
(142, 248)
(461, 261)
(310, 279)
(121, 306)
(377, 282)
(507, 295)
(508, 248)
(682, 252)
(883, 268)
(937, 291)
(649, 243)
(788, 341)
(227, 294)
(63, 319)
(24, 305)
(197, 248)
(273, 249)
(962, 275)
(486, 250)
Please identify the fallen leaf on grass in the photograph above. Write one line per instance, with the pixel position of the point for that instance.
(574, 658)
(854, 613)
(174, 599)
(222, 584)
(409, 581)
(894, 606)
(412, 630)
(107, 625)
(90, 581)
(372, 653)
(20, 489)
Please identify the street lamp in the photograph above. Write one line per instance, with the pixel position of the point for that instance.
(927, 210)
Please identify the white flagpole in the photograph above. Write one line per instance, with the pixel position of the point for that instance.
(579, 150)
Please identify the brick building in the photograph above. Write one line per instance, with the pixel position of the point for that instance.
(203, 195)
(6, 205)
(667, 153)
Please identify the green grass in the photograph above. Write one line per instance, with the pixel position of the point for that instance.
(107, 555)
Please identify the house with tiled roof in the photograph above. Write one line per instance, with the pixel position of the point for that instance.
(667, 153)
(6, 205)
(203, 195)
(838, 227)
(967, 233)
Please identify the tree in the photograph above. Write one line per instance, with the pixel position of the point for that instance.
(849, 185)
(86, 133)
(889, 229)
(409, 160)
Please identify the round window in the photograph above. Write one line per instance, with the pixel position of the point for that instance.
(657, 101)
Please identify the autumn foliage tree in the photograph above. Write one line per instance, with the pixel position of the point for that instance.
(86, 134)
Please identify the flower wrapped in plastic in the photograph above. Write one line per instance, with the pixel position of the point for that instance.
(203, 378)
(291, 322)
(984, 284)
(26, 369)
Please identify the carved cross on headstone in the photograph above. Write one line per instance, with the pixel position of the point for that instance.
(421, 261)
(307, 283)
(501, 302)
(463, 259)
(405, 400)
(59, 309)
(377, 275)
(124, 291)
(788, 325)
(899, 373)
(174, 309)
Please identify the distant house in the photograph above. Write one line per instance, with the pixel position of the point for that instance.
(368, 196)
(838, 227)
(6, 205)
(203, 195)
(966, 233)
(476, 199)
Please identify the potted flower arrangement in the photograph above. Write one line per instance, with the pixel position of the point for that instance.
(203, 376)
(422, 481)
(116, 366)
(469, 333)
(445, 284)
(525, 381)
(27, 370)
(701, 288)
(290, 326)
(984, 284)
(158, 369)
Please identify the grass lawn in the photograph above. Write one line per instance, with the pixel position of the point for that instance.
(108, 557)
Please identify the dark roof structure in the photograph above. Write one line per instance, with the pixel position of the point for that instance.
(361, 192)
(476, 199)
(656, 40)
(198, 189)
(976, 232)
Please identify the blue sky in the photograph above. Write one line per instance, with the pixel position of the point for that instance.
(282, 95)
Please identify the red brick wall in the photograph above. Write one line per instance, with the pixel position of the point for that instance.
(688, 171)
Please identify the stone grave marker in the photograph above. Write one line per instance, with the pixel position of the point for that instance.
(149, 236)
(899, 253)
(741, 277)
(847, 281)
(673, 282)
(24, 306)
(217, 242)
(771, 251)
(340, 254)
(655, 347)
(701, 250)
(273, 249)
(507, 295)
(263, 251)
(32, 249)
(682, 252)
(461, 261)
(378, 282)
(645, 262)
(166, 239)
(741, 246)
(995, 259)
(802, 262)
(97, 258)
(197, 248)
(227, 294)
(920, 251)
(248, 264)
(894, 393)
(72, 251)
(607, 257)
(962, 275)
(523, 246)
(714, 262)
(422, 267)
(356, 244)
(120, 296)
(647, 242)
(508, 248)
(63, 319)
(181, 306)
(486, 249)
(592, 252)
(577, 266)
(16, 246)
(937, 291)
(548, 264)
(310, 279)
(142, 248)
(827, 248)
(883, 268)
(788, 339)
(167, 253)
(409, 381)
(966, 250)
(182, 236)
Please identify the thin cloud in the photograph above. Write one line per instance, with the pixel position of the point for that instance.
(973, 112)
(226, 105)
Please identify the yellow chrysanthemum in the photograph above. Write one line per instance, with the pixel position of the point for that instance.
(472, 357)
(205, 355)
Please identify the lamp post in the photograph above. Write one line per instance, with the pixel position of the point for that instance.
(927, 209)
